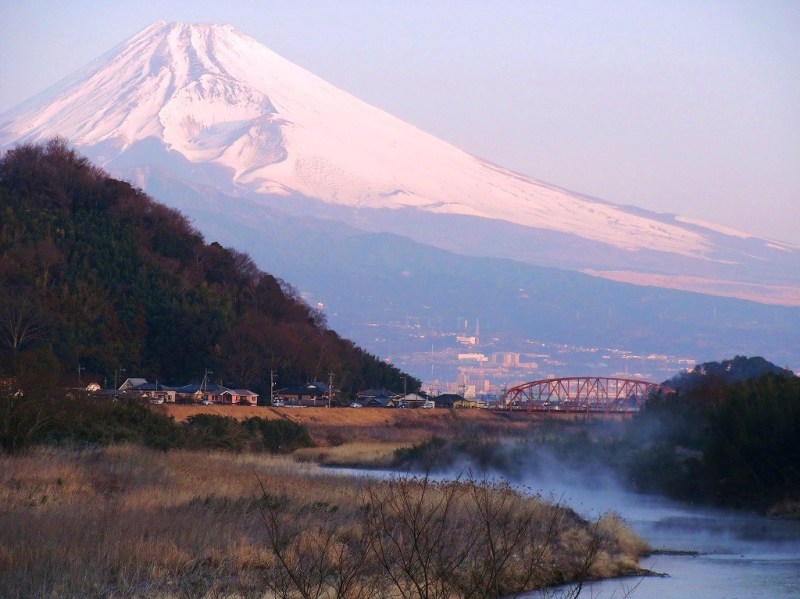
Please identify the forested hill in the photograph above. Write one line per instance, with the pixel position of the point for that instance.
(95, 273)
(735, 370)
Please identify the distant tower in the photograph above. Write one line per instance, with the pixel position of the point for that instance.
(477, 331)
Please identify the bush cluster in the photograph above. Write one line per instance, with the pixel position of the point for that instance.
(731, 443)
(86, 422)
(209, 431)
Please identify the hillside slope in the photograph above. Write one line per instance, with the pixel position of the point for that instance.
(97, 274)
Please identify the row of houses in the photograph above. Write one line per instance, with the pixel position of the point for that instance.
(383, 398)
(312, 394)
(318, 394)
(205, 393)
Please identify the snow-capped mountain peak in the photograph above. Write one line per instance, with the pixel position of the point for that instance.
(254, 123)
(215, 95)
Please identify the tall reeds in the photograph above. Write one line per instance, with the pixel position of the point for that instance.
(126, 521)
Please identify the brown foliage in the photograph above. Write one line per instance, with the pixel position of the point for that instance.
(422, 539)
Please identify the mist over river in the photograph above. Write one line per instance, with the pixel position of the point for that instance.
(704, 553)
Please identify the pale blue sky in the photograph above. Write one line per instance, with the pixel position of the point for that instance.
(677, 106)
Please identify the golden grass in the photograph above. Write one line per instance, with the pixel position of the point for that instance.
(363, 454)
(330, 427)
(126, 521)
(122, 515)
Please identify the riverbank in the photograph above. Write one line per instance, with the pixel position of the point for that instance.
(369, 437)
(124, 521)
(373, 424)
(372, 438)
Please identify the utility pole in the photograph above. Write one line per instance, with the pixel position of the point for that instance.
(79, 372)
(204, 385)
(117, 372)
(271, 386)
(330, 388)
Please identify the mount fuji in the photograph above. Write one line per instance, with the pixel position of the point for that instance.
(271, 159)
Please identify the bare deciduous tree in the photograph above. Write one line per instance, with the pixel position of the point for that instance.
(21, 322)
(21, 418)
(416, 538)
(323, 557)
(411, 525)
(30, 400)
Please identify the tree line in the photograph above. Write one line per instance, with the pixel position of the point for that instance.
(730, 437)
(61, 419)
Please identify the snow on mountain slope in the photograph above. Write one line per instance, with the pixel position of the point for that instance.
(217, 96)
(208, 103)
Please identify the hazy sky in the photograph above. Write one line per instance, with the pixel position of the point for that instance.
(689, 107)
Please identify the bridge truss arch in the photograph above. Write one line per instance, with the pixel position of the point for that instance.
(582, 394)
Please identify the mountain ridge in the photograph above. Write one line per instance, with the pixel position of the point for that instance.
(385, 277)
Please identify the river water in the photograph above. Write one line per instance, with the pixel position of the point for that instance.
(705, 554)
(702, 553)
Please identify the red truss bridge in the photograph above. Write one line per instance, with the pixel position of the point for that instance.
(581, 394)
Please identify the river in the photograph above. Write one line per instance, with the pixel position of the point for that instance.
(704, 553)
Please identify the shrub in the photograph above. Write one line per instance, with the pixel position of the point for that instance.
(89, 421)
(209, 431)
(279, 436)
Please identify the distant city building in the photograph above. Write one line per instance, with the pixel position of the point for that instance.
(473, 356)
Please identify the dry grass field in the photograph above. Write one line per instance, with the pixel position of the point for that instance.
(356, 417)
(375, 424)
(126, 521)
(356, 454)
(369, 437)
